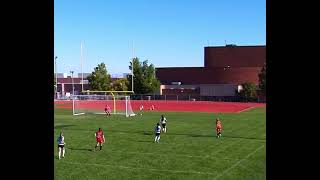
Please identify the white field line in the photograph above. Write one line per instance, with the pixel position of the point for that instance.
(181, 155)
(238, 162)
(245, 109)
(148, 169)
(78, 114)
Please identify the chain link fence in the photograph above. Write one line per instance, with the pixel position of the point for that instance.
(175, 97)
(192, 98)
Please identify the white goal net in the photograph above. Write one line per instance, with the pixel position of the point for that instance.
(96, 104)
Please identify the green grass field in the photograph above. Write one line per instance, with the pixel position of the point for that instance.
(189, 150)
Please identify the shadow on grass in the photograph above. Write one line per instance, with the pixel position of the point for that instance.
(213, 135)
(150, 133)
(150, 141)
(191, 135)
(248, 138)
(147, 133)
(80, 149)
(62, 126)
(56, 157)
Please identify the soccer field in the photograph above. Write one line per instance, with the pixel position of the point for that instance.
(189, 149)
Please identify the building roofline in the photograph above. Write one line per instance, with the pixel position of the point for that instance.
(176, 67)
(235, 46)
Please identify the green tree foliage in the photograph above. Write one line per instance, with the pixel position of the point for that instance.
(144, 80)
(249, 91)
(99, 79)
(120, 85)
(54, 81)
(262, 79)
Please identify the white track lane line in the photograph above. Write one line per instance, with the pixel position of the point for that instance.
(246, 109)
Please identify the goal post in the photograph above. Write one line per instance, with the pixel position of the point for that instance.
(95, 104)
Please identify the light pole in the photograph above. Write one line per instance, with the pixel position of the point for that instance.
(55, 64)
(72, 83)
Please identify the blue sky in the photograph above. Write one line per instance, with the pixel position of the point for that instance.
(168, 33)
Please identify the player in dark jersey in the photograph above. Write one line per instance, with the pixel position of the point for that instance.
(61, 144)
(163, 122)
(157, 131)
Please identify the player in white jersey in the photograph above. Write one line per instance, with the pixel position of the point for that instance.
(61, 144)
(157, 130)
(163, 122)
(141, 109)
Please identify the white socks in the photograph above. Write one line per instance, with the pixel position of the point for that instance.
(59, 153)
(63, 152)
(156, 139)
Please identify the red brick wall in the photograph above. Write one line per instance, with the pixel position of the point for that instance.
(237, 56)
(245, 64)
(186, 75)
(208, 76)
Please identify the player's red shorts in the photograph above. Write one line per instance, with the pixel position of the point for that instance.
(218, 128)
(99, 140)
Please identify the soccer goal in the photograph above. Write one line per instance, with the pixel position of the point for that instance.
(95, 104)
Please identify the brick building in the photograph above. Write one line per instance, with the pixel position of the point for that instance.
(225, 69)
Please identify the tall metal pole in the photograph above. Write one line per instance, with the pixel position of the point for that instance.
(72, 83)
(81, 67)
(132, 67)
(55, 64)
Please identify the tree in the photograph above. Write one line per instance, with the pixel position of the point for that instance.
(99, 79)
(120, 85)
(144, 80)
(54, 81)
(262, 79)
(55, 87)
(249, 91)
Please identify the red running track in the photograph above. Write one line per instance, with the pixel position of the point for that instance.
(170, 106)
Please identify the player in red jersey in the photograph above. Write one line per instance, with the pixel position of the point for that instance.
(218, 127)
(100, 138)
(107, 110)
